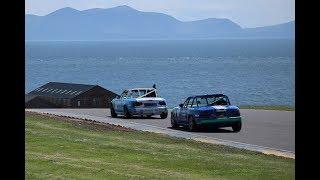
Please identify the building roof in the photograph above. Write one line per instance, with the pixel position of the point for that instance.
(29, 97)
(140, 89)
(61, 90)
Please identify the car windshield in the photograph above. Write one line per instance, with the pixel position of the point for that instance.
(211, 101)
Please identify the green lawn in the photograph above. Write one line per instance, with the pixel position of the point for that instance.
(280, 108)
(57, 148)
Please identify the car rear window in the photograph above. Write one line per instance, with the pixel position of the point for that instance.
(152, 94)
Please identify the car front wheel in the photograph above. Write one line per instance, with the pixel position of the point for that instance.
(236, 127)
(191, 124)
(113, 112)
(173, 122)
(163, 115)
(126, 112)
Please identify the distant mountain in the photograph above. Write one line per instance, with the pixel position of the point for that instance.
(285, 30)
(124, 22)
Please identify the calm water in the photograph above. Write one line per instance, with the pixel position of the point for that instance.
(250, 72)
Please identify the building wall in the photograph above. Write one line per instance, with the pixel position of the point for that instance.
(58, 102)
(97, 97)
(39, 102)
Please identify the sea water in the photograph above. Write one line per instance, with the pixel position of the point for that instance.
(249, 71)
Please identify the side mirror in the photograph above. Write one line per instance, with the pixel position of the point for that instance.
(117, 96)
(181, 105)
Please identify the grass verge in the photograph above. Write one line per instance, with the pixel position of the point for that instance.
(279, 108)
(61, 148)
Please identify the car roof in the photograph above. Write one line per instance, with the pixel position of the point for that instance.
(207, 95)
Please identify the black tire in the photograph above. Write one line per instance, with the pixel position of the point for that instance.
(191, 124)
(236, 127)
(113, 112)
(126, 112)
(163, 115)
(149, 116)
(173, 122)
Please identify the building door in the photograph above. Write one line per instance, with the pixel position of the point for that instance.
(96, 102)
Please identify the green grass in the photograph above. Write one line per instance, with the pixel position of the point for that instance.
(57, 148)
(279, 108)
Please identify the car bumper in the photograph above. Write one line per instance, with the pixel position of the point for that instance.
(222, 121)
(149, 111)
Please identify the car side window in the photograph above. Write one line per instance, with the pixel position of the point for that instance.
(195, 104)
(186, 103)
(202, 101)
(134, 94)
(124, 94)
(190, 103)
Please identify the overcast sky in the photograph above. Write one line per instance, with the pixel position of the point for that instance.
(247, 13)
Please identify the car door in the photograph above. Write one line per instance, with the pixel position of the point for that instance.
(120, 102)
(188, 110)
(184, 111)
(115, 103)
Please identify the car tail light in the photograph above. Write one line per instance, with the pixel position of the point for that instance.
(233, 113)
(162, 103)
(137, 103)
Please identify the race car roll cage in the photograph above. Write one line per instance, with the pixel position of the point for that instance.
(152, 90)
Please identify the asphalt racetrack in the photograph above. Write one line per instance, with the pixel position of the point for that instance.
(268, 128)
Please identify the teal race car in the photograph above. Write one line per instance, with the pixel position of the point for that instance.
(206, 111)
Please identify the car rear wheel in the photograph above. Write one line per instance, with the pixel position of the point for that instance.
(126, 112)
(173, 122)
(236, 127)
(191, 124)
(113, 112)
(163, 115)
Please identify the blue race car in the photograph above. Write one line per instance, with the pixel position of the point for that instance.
(139, 101)
(206, 110)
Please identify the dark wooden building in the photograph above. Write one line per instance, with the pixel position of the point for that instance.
(69, 95)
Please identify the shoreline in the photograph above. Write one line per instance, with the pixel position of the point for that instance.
(266, 107)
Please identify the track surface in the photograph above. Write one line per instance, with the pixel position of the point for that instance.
(269, 128)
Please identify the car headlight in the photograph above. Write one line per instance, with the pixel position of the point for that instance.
(196, 115)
